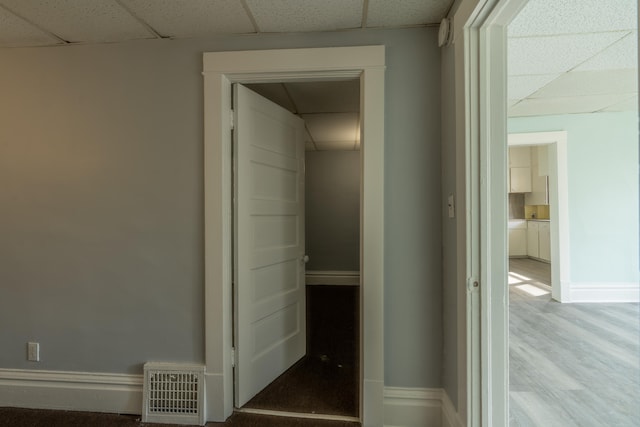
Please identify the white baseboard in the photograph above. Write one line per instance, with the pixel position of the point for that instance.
(419, 407)
(605, 292)
(450, 418)
(72, 391)
(330, 277)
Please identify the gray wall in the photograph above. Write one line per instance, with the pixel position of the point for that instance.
(332, 210)
(449, 235)
(101, 197)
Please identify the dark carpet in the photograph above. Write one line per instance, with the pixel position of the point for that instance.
(14, 417)
(326, 380)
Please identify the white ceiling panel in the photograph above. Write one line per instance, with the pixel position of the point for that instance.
(630, 104)
(332, 127)
(81, 20)
(547, 17)
(591, 83)
(565, 105)
(390, 13)
(192, 18)
(522, 86)
(622, 54)
(326, 97)
(16, 32)
(306, 15)
(549, 55)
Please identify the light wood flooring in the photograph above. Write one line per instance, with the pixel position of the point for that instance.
(570, 364)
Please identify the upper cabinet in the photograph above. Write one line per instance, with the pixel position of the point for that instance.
(539, 194)
(519, 177)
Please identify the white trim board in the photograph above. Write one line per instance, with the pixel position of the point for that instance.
(315, 277)
(71, 391)
(417, 407)
(220, 69)
(618, 292)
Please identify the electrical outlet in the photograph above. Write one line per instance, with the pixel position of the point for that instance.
(33, 351)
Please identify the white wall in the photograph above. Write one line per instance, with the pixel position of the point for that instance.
(602, 157)
(102, 202)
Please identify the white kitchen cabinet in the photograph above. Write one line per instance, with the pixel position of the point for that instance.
(517, 242)
(539, 193)
(519, 179)
(533, 248)
(539, 240)
(544, 241)
(520, 157)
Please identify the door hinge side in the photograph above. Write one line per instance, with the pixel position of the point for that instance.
(232, 119)
(233, 357)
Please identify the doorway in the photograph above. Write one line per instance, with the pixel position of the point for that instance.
(325, 381)
(220, 70)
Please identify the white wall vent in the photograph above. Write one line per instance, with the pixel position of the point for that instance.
(173, 394)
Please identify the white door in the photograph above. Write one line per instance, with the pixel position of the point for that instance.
(269, 292)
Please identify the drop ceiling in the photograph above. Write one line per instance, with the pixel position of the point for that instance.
(573, 56)
(568, 56)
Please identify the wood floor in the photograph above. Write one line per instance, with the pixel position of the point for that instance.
(570, 364)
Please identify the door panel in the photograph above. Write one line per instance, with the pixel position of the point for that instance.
(269, 311)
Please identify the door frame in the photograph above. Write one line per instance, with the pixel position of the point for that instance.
(559, 210)
(485, 118)
(220, 70)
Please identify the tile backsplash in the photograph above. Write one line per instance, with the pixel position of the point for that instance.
(516, 206)
(536, 211)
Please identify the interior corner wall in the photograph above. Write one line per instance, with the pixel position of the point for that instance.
(602, 157)
(332, 210)
(101, 165)
(449, 232)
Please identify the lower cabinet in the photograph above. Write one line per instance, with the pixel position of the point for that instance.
(539, 240)
(517, 242)
(544, 241)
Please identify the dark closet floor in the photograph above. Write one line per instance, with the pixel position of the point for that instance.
(326, 380)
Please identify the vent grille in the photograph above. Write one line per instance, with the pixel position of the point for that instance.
(173, 394)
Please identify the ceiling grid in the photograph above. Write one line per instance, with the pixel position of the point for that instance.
(564, 56)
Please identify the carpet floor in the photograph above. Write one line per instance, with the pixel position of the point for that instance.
(326, 380)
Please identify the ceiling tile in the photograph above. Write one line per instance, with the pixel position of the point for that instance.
(546, 17)
(335, 146)
(306, 15)
(15, 32)
(326, 97)
(332, 127)
(580, 83)
(519, 87)
(565, 105)
(622, 54)
(81, 20)
(192, 18)
(387, 13)
(558, 54)
(630, 104)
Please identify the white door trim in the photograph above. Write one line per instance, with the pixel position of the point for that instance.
(559, 209)
(220, 70)
(485, 69)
